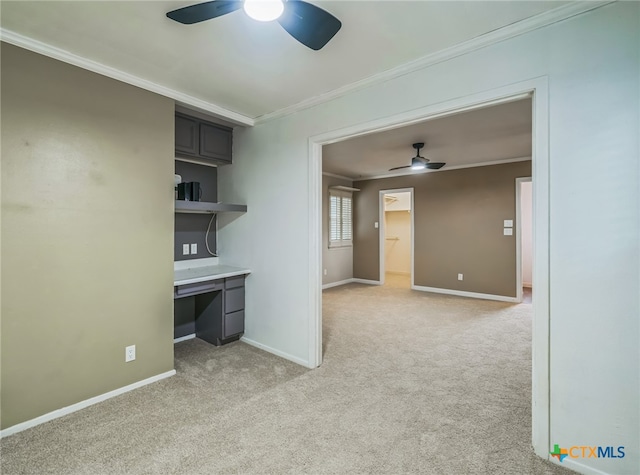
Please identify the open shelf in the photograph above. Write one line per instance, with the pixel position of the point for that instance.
(204, 207)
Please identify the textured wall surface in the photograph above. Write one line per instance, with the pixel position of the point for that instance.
(87, 234)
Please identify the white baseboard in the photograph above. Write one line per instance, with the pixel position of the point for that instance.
(350, 281)
(81, 405)
(184, 338)
(462, 293)
(528, 285)
(336, 284)
(367, 282)
(279, 353)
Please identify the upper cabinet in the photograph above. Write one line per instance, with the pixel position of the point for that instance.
(196, 138)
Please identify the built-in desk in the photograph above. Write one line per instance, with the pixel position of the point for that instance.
(209, 300)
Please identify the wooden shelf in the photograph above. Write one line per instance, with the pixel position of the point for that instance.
(204, 207)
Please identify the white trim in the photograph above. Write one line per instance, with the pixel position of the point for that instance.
(510, 31)
(367, 282)
(346, 178)
(518, 28)
(445, 169)
(315, 255)
(54, 52)
(463, 293)
(337, 283)
(82, 404)
(519, 283)
(343, 188)
(577, 466)
(540, 174)
(351, 281)
(184, 338)
(196, 162)
(477, 101)
(279, 353)
(381, 228)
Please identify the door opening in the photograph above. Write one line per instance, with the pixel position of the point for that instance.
(396, 238)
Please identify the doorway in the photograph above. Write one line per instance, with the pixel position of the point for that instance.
(536, 88)
(396, 237)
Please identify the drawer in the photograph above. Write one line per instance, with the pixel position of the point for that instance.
(233, 300)
(198, 288)
(233, 323)
(232, 282)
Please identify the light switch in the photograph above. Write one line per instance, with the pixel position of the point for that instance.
(375, 225)
(508, 231)
(194, 248)
(185, 249)
(508, 223)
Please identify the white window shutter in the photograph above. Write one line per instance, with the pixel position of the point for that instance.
(340, 218)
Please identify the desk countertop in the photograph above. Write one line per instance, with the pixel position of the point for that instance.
(204, 273)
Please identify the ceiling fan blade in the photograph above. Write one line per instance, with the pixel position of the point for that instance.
(398, 168)
(310, 25)
(204, 11)
(435, 166)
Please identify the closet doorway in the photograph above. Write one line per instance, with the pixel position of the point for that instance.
(396, 237)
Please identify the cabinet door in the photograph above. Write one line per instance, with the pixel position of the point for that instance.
(233, 323)
(186, 135)
(215, 142)
(233, 300)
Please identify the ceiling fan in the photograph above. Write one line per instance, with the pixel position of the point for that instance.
(310, 25)
(420, 163)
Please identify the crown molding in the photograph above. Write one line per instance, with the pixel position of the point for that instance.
(342, 177)
(409, 172)
(36, 46)
(510, 31)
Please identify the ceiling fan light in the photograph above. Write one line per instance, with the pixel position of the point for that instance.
(264, 10)
(417, 164)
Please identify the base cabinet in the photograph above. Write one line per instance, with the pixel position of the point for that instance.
(218, 308)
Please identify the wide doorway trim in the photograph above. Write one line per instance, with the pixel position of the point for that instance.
(538, 90)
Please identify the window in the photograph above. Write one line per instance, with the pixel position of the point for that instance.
(340, 218)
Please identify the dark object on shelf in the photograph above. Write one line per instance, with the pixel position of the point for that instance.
(189, 191)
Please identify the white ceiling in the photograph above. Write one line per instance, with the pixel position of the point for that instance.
(255, 68)
(479, 137)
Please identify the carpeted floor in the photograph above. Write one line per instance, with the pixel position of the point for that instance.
(411, 383)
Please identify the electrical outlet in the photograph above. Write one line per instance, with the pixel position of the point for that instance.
(325, 272)
(460, 276)
(129, 353)
(194, 248)
(185, 249)
(375, 225)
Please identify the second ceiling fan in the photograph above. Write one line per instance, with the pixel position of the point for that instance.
(419, 162)
(310, 25)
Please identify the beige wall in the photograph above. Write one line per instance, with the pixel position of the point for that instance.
(87, 234)
(338, 261)
(458, 220)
